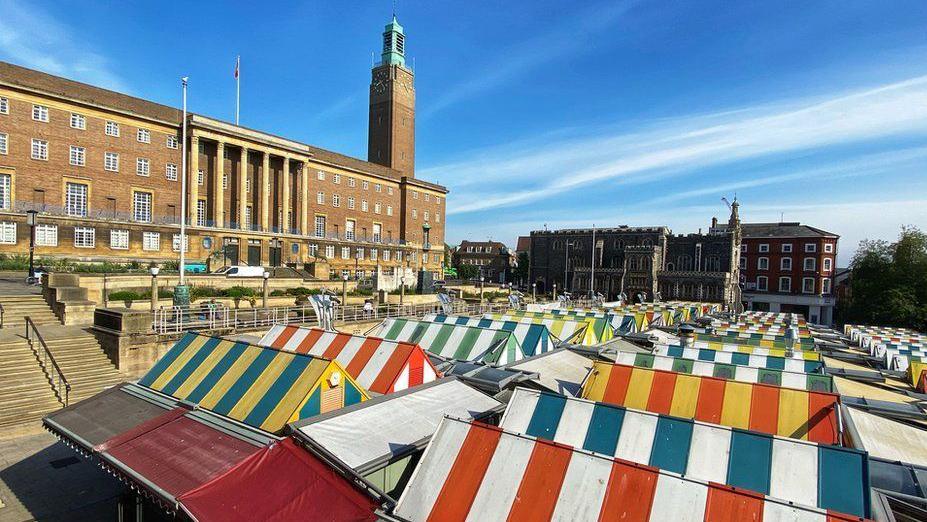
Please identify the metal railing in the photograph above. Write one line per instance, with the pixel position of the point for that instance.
(220, 317)
(1, 315)
(59, 383)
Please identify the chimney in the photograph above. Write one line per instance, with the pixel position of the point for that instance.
(714, 222)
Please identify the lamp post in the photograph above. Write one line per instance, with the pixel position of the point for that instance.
(555, 291)
(481, 290)
(264, 293)
(182, 291)
(402, 287)
(344, 290)
(30, 218)
(154, 270)
(534, 292)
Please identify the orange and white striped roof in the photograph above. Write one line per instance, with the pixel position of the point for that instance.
(379, 365)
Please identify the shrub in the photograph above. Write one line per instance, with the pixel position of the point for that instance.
(163, 293)
(199, 292)
(124, 295)
(278, 293)
(238, 292)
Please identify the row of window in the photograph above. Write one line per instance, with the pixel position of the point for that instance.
(377, 187)
(785, 284)
(78, 121)
(471, 248)
(786, 248)
(86, 237)
(809, 264)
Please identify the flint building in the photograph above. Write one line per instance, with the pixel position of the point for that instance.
(640, 261)
(103, 170)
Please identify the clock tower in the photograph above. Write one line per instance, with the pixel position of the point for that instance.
(391, 131)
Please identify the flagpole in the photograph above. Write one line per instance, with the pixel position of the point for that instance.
(183, 184)
(237, 87)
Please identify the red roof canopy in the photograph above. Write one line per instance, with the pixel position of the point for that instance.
(280, 482)
(175, 453)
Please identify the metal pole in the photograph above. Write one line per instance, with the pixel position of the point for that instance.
(183, 184)
(32, 216)
(592, 269)
(154, 292)
(237, 87)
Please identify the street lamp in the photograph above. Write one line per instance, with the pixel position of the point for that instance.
(344, 290)
(30, 218)
(182, 291)
(154, 270)
(266, 281)
(534, 294)
(481, 289)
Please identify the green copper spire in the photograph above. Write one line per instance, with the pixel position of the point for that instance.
(394, 42)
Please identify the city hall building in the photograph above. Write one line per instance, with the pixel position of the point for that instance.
(103, 170)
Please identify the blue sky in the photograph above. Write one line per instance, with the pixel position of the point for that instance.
(556, 113)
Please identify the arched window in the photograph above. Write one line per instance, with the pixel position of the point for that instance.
(632, 263)
(619, 244)
(647, 242)
(670, 267)
(684, 262)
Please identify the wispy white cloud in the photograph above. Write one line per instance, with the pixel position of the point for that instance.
(868, 165)
(566, 37)
(32, 37)
(670, 147)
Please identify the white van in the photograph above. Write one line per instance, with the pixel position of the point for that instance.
(241, 271)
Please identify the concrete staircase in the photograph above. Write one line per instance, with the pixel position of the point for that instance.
(25, 392)
(82, 361)
(17, 307)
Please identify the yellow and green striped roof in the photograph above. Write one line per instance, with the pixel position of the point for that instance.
(259, 386)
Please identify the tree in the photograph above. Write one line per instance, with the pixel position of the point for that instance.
(467, 272)
(888, 282)
(523, 269)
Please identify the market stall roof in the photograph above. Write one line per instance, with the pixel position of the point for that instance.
(797, 380)
(179, 451)
(781, 411)
(598, 328)
(277, 483)
(463, 343)
(812, 364)
(560, 370)
(369, 435)
(885, 438)
(92, 421)
(477, 472)
(533, 338)
(262, 387)
(821, 475)
(379, 365)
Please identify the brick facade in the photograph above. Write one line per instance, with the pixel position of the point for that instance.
(265, 213)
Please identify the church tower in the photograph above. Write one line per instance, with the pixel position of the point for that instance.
(391, 132)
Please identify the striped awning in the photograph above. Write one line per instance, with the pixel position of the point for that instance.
(259, 386)
(755, 350)
(533, 338)
(378, 365)
(780, 411)
(478, 472)
(829, 477)
(464, 343)
(597, 331)
(741, 359)
(797, 380)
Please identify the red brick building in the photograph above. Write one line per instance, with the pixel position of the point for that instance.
(104, 172)
(789, 267)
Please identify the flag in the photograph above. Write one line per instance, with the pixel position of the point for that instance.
(237, 64)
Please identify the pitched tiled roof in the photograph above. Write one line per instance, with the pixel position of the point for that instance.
(56, 86)
(787, 229)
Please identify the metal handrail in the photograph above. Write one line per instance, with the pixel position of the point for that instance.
(1, 315)
(219, 317)
(58, 379)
